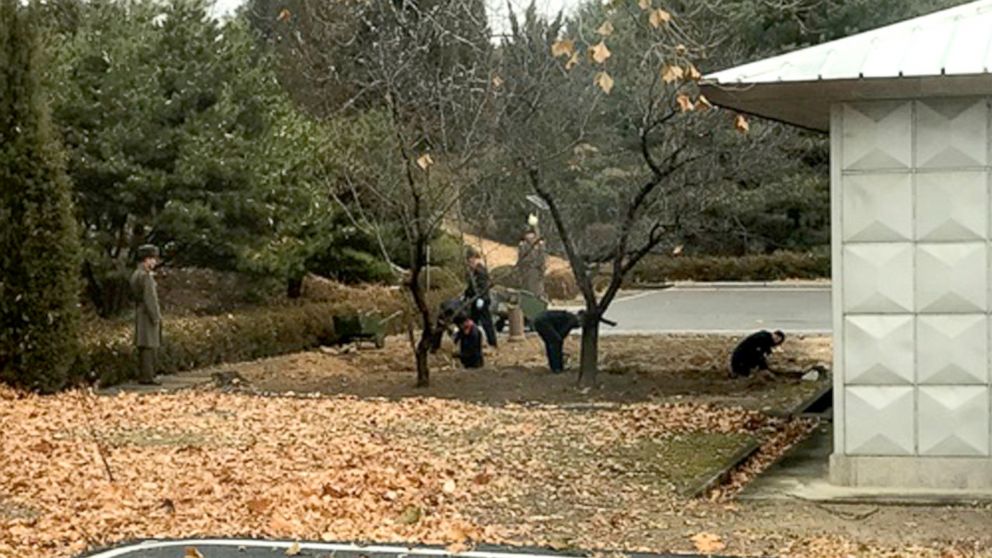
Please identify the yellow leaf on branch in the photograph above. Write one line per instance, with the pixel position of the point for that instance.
(671, 73)
(644, 4)
(425, 161)
(693, 73)
(572, 62)
(563, 47)
(702, 103)
(685, 103)
(742, 124)
(606, 29)
(604, 82)
(600, 53)
(659, 17)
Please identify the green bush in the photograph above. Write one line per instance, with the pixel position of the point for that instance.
(39, 246)
(107, 353)
(772, 267)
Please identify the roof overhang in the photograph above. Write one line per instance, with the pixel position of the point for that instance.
(807, 103)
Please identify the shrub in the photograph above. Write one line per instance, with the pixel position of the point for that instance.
(772, 267)
(108, 355)
(39, 246)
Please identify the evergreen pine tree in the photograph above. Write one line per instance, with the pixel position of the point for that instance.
(39, 246)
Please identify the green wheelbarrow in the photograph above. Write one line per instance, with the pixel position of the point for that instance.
(505, 299)
(364, 326)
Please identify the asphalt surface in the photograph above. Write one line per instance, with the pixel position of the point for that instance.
(234, 548)
(722, 309)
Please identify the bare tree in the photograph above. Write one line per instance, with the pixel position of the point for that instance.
(422, 94)
(608, 105)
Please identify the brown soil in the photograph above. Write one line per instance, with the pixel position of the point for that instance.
(496, 254)
(661, 369)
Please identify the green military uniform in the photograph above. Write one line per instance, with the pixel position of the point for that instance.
(531, 265)
(147, 315)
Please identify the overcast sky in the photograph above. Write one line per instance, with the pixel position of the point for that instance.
(497, 8)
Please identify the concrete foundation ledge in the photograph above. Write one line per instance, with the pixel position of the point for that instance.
(912, 472)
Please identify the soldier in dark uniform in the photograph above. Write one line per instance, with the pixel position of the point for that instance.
(147, 315)
(752, 353)
(469, 340)
(451, 312)
(477, 295)
(554, 326)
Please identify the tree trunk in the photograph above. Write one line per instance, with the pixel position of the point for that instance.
(590, 350)
(423, 348)
(423, 367)
(294, 287)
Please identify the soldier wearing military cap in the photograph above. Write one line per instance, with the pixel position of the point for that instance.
(147, 315)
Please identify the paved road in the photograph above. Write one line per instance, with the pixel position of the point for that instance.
(723, 309)
(230, 548)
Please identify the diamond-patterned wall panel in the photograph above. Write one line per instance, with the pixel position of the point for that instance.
(951, 133)
(878, 420)
(878, 350)
(877, 135)
(951, 206)
(878, 207)
(952, 349)
(950, 278)
(954, 421)
(878, 278)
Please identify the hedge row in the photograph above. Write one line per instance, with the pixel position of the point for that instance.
(107, 352)
(771, 267)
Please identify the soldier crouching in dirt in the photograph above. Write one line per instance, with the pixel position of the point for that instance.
(752, 353)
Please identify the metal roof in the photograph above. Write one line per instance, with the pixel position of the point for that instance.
(916, 57)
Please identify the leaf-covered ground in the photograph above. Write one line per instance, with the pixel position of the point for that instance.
(536, 463)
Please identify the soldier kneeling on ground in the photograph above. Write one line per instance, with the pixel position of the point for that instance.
(469, 340)
(752, 353)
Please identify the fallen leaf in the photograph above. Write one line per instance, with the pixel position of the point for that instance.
(659, 17)
(708, 543)
(284, 15)
(497, 82)
(685, 103)
(644, 4)
(604, 81)
(293, 550)
(671, 73)
(600, 53)
(425, 161)
(606, 29)
(192, 552)
(741, 124)
(677, 250)
(563, 47)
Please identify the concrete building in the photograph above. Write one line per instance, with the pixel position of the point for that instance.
(908, 111)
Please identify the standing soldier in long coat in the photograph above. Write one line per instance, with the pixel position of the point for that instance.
(147, 315)
(532, 263)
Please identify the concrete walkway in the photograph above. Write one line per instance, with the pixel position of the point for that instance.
(804, 474)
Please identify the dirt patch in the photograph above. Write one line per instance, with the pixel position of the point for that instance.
(660, 369)
(496, 254)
